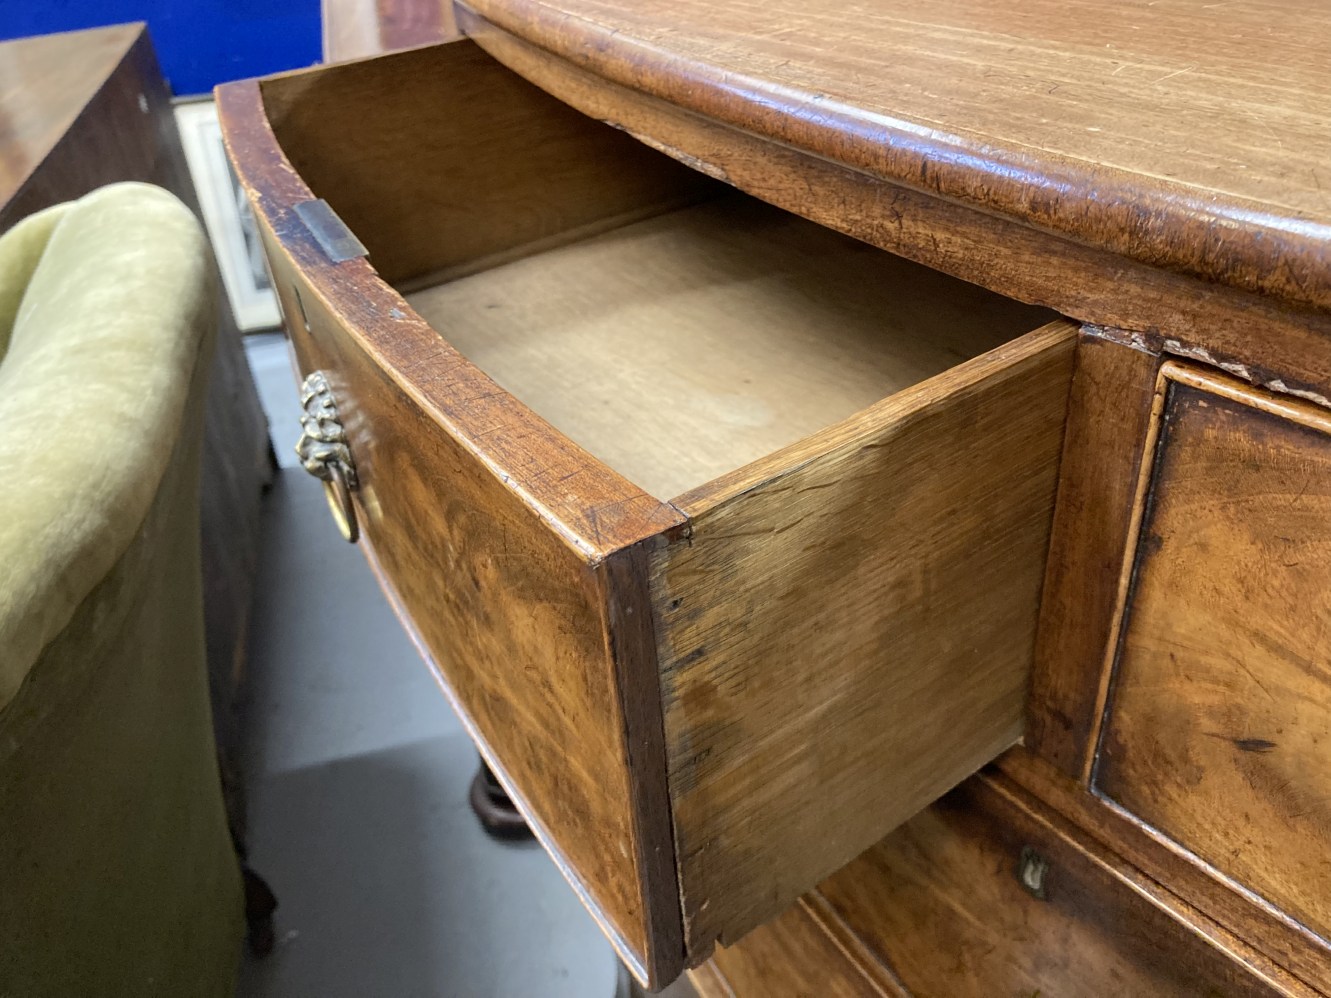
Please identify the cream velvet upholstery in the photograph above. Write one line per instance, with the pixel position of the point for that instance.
(117, 875)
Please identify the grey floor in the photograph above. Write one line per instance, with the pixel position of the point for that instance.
(357, 773)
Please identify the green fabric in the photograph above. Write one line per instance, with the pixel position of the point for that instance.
(20, 250)
(92, 389)
(117, 875)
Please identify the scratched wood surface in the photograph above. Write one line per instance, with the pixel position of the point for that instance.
(1218, 729)
(711, 336)
(1143, 129)
(848, 630)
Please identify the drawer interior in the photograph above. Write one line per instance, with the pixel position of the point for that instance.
(680, 347)
(675, 328)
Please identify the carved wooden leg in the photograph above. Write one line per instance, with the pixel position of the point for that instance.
(497, 814)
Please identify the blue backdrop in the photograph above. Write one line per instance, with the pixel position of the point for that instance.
(200, 43)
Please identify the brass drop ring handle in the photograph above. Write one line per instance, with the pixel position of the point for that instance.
(338, 493)
(324, 452)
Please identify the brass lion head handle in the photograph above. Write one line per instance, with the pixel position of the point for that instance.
(324, 452)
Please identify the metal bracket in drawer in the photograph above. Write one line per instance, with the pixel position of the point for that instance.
(331, 233)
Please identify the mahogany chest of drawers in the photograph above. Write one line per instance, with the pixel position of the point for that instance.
(764, 417)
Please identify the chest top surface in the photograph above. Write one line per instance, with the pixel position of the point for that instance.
(44, 84)
(1186, 134)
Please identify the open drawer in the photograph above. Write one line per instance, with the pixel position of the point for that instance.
(724, 532)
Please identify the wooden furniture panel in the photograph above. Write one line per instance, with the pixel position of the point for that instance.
(1282, 942)
(1266, 338)
(440, 160)
(1109, 411)
(986, 893)
(514, 618)
(1218, 729)
(510, 554)
(848, 631)
(708, 982)
(48, 83)
(1140, 132)
(794, 956)
(707, 338)
(565, 608)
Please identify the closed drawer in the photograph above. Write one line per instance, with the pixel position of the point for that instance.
(988, 893)
(1218, 726)
(724, 532)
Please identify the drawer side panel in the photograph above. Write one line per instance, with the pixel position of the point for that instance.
(847, 637)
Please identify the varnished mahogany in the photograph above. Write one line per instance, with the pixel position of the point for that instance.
(1151, 171)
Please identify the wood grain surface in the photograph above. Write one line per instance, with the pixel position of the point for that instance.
(955, 903)
(439, 158)
(511, 617)
(1141, 129)
(1108, 411)
(1263, 339)
(708, 982)
(1264, 929)
(1218, 731)
(492, 533)
(45, 84)
(611, 513)
(709, 337)
(1034, 151)
(795, 956)
(848, 630)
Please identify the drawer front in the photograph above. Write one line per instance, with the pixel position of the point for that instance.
(521, 589)
(1218, 726)
(512, 619)
(986, 893)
